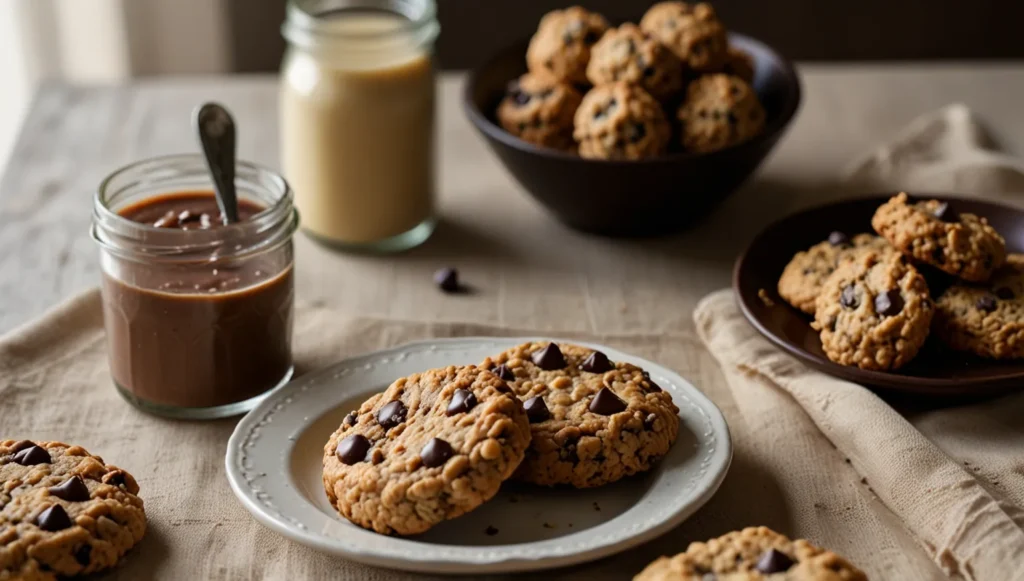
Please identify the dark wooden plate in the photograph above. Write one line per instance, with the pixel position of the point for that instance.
(936, 370)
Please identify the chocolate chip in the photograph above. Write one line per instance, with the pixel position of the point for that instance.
(350, 419)
(848, 298)
(520, 98)
(606, 403)
(591, 37)
(54, 519)
(1005, 293)
(648, 72)
(114, 478)
(568, 38)
(649, 421)
(946, 213)
(650, 382)
(392, 414)
(463, 400)
(353, 449)
(436, 453)
(19, 446)
(597, 363)
(536, 409)
(31, 456)
(549, 358)
(72, 490)
(636, 132)
(773, 561)
(447, 279)
(505, 373)
(837, 238)
(490, 531)
(986, 303)
(889, 303)
(83, 553)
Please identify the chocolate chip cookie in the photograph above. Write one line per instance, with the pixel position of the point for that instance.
(431, 447)
(561, 45)
(620, 121)
(594, 421)
(539, 108)
(719, 111)
(752, 554)
(63, 511)
(934, 232)
(985, 320)
(874, 311)
(627, 54)
(692, 31)
(801, 280)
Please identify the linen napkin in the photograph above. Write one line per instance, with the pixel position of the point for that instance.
(953, 478)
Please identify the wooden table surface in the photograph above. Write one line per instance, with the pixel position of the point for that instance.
(529, 271)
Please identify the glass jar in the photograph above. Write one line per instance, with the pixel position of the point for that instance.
(357, 120)
(198, 315)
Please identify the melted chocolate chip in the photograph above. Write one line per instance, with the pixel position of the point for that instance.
(436, 453)
(54, 519)
(447, 279)
(31, 456)
(490, 531)
(946, 213)
(848, 298)
(889, 303)
(83, 553)
(597, 363)
(1005, 293)
(654, 386)
(773, 561)
(549, 358)
(463, 400)
(19, 446)
(837, 238)
(350, 419)
(353, 449)
(606, 403)
(72, 490)
(392, 414)
(114, 478)
(986, 303)
(536, 409)
(505, 373)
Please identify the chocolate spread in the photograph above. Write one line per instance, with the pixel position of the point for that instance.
(201, 334)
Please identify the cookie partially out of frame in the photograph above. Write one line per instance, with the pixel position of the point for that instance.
(987, 320)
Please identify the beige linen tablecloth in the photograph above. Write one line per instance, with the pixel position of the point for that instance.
(935, 497)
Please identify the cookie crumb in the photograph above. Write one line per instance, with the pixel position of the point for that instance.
(763, 295)
(491, 531)
(597, 507)
(548, 525)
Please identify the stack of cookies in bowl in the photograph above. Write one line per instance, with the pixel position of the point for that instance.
(928, 270)
(438, 444)
(671, 83)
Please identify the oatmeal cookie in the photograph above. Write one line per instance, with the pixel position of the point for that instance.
(594, 421)
(874, 312)
(627, 54)
(561, 45)
(692, 31)
(431, 447)
(933, 232)
(620, 121)
(63, 512)
(720, 111)
(538, 108)
(752, 554)
(801, 280)
(985, 320)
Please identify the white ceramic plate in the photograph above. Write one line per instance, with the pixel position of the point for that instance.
(274, 467)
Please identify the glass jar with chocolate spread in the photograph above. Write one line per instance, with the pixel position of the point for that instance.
(198, 313)
(357, 120)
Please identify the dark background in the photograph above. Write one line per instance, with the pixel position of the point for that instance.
(800, 29)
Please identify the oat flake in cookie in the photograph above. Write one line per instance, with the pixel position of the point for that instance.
(933, 232)
(63, 512)
(752, 554)
(594, 421)
(986, 320)
(431, 447)
(874, 312)
(801, 280)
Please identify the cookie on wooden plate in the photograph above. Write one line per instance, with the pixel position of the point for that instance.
(63, 511)
(593, 421)
(431, 447)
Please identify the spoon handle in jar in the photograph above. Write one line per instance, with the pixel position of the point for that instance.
(216, 131)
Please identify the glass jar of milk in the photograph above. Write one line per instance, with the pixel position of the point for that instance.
(357, 120)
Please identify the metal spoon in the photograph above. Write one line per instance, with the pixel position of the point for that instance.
(216, 131)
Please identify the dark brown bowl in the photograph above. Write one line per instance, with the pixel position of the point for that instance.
(632, 198)
(936, 371)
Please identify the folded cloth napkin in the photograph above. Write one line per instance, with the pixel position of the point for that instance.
(953, 478)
